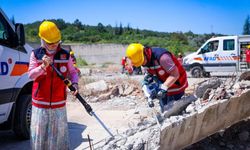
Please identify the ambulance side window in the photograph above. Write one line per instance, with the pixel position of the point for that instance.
(211, 46)
(228, 45)
(6, 33)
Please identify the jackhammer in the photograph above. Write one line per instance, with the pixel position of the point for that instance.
(151, 89)
(87, 107)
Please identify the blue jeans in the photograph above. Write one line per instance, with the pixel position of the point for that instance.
(167, 99)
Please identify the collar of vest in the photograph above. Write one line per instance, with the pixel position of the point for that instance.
(60, 55)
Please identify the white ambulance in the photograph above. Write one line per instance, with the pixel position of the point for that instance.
(15, 86)
(218, 54)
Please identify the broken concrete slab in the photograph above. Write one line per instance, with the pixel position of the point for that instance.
(206, 121)
(96, 87)
(245, 76)
(175, 107)
(212, 83)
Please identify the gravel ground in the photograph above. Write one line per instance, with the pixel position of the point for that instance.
(120, 113)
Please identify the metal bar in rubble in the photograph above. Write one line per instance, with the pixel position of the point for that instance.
(90, 147)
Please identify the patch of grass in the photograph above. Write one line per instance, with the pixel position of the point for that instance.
(81, 62)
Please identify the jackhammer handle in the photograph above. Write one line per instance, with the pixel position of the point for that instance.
(70, 86)
(79, 97)
(85, 104)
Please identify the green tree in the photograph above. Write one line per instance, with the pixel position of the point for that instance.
(120, 31)
(101, 28)
(78, 24)
(246, 27)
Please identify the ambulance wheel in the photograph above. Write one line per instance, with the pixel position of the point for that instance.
(23, 117)
(196, 72)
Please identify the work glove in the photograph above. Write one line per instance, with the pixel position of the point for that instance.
(162, 92)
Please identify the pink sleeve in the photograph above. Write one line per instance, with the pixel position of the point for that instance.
(167, 62)
(34, 70)
(73, 75)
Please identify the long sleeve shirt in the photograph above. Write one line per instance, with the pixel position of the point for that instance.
(35, 70)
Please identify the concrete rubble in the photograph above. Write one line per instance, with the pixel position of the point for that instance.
(215, 106)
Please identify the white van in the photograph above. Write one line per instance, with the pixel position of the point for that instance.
(15, 86)
(218, 54)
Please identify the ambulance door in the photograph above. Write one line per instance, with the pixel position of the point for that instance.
(228, 55)
(209, 53)
(9, 55)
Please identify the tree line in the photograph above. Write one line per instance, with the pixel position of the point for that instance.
(77, 32)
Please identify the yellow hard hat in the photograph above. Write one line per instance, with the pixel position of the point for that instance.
(248, 46)
(49, 32)
(135, 53)
(71, 53)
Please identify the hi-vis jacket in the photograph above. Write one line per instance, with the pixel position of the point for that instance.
(154, 68)
(49, 91)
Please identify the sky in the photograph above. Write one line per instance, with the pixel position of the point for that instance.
(199, 16)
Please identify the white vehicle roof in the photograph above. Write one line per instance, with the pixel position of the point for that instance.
(230, 37)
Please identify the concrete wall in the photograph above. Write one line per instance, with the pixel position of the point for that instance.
(96, 53)
(100, 53)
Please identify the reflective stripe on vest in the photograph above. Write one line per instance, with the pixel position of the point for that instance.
(48, 103)
(178, 89)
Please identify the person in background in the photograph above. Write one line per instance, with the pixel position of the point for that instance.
(180, 58)
(123, 63)
(162, 64)
(125, 67)
(247, 52)
(49, 127)
(72, 54)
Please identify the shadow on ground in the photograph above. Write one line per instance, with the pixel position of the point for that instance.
(75, 134)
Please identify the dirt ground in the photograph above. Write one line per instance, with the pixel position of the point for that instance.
(118, 113)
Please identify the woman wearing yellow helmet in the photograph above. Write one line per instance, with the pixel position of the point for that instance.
(162, 64)
(49, 129)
